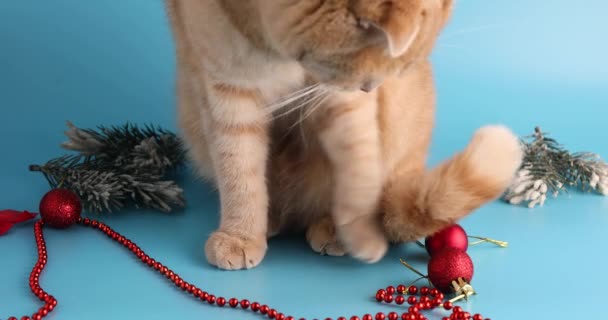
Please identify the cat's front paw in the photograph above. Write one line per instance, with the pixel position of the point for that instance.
(322, 238)
(364, 239)
(230, 251)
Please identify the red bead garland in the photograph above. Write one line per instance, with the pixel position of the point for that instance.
(429, 298)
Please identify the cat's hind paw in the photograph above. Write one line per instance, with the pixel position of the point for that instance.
(364, 239)
(322, 239)
(229, 251)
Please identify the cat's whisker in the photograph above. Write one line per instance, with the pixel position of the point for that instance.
(306, 100)
(314, 107)
(282, 104)
(461, 48)
(450, 45)
(292, 97)
(302, 132)
(288, 100)
(301, 105)
(299, 92)
(469, 30)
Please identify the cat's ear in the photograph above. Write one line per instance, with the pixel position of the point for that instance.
(399, 37)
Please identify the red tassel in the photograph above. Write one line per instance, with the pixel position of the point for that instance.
(8, 218)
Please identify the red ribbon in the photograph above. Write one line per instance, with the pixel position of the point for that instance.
(8, 218)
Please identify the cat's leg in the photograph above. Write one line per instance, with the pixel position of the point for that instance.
(322, 238)
(237, 139)
(192, 125)
(350, 136)
(417, 203)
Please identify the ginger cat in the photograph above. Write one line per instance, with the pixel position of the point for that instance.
(316, 115)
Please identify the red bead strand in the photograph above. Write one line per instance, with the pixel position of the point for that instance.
(429, 298)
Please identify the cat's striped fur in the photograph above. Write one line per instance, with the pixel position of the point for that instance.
(349, 165)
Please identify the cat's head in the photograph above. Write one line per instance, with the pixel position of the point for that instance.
(354, 44)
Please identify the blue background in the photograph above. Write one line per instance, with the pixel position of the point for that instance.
(518, 62)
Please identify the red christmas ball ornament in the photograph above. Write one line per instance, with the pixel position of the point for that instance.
(447, 265)
(453, 236)
(60, 208)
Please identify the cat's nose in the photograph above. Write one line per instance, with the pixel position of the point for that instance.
(370, 85)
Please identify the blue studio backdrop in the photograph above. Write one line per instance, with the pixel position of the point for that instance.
(517, 62)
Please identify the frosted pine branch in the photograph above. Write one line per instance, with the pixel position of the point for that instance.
(119, 166)
(107, 190)
(128, 148)
(548, 169)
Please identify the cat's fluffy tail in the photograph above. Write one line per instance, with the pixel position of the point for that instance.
(418, 205)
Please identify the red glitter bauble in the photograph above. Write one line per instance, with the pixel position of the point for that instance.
(60, 208)
(453, 236)
(448, 265)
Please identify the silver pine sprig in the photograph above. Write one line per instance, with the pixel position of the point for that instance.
(128, 148)
(107, 190)
(119, 166)
(549, 169)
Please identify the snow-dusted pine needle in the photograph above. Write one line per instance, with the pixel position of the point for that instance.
(119, 166)
(549, 169)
